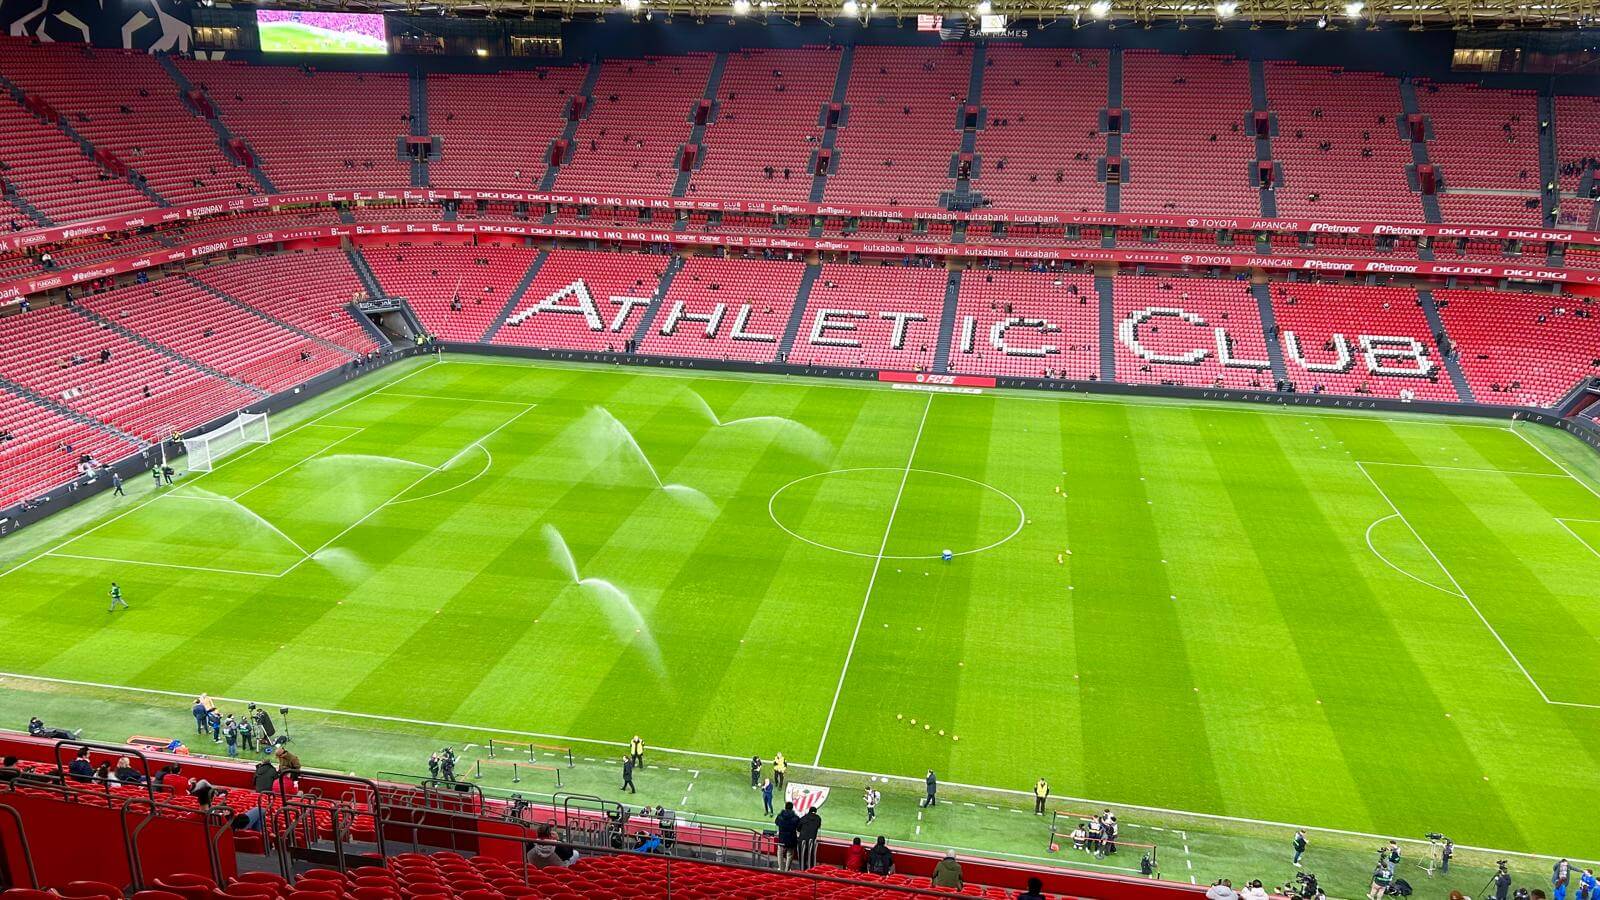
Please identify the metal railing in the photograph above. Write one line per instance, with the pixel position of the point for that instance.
(22, 843)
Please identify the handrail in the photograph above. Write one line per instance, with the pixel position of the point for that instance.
(115, 750)
(374, 804)
(22, 838)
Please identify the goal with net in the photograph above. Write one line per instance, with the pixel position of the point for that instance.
(208, 449)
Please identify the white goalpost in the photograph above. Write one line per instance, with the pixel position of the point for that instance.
(206, 450)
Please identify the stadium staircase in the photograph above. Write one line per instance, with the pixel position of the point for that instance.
(797, 313)
(1258, 100)
(225, 137)
(697, 133)
(1419, 150)
(548, 182)
(516, 295)
(1441, 339)
(947, 322)
(268, 317)
(830, 134)
(419, 125)
(163, 349)
(1549, 173)
(1108, 328)
(89, 150)
(68, 412)
(28, 209)
(963, 197)
(1269, 329)
(1114, 140)
(382, 338)
(364, 272)
(346, 216)
(674, 265)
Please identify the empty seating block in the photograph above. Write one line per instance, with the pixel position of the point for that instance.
(57, 353)
(639, 117)
(1355, 339)
(767, 127)
(725, 309)
(51, 172)
(1027, 325)
(308, 290)
(123, 102)
(312, 128)
(176, 313)
(1484, 140)
(1353, 115)
(873, 317)
(1187, 147)
(1521, 348)
(902, 133)
(1041, 144)
(583, 300)
(1189, 331)
(457, 289)
(505, 143)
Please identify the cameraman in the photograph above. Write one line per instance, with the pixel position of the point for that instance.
(1502, 882)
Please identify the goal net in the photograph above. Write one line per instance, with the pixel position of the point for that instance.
(206, 450)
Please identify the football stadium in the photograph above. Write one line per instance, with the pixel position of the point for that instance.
(471, 451)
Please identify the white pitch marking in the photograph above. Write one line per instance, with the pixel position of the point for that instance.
(1586, 485)
(236, 457)
(162, 565)
(1371, 462)
(1563, 523)
(1385, 559)
(452, 399)
(1463, 594)
(728, 757)
(354, 430)
(883, 546)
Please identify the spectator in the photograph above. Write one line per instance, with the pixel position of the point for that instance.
(880, 859)
(266, 774)
(80, 768)
(547, 853)
(249, 820)
(766, 795)
(788, 836)
(810, 827)
(127, 774)
(948, 872)
(1035, 890)
(1222, 890)
(202, 791)
(1253, 891)
(855, 856)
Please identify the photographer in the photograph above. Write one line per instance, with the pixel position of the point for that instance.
(1502, 881)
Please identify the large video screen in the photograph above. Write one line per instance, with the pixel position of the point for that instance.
(291, 31)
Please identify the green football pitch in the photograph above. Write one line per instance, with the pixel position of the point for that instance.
(1380, 623)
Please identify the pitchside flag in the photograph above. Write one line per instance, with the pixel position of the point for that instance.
(805, 797)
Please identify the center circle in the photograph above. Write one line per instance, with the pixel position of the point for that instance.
(849, 511)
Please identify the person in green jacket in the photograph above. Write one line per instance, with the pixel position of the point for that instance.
(948, 872)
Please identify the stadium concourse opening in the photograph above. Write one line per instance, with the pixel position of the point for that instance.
(516, 456)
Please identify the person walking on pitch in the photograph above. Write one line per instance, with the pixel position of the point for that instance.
(755, 773)
(780, 770)
(627, 775)
(933, 791)
(155, 475)
(116, 485)
(872, 798)
(1299, 847)
(1041, 793)
(116, 598)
